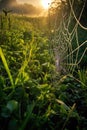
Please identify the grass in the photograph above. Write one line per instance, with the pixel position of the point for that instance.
(6, 67)
(82, 77)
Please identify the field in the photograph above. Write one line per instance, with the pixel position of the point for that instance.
(43, 79)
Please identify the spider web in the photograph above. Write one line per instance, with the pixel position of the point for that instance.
(68, 47)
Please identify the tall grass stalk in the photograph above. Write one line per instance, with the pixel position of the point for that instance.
(69, 114)
(28, 116)
(6, 67)
(30, 49)
(83, 77)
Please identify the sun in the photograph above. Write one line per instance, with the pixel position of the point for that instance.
(46, 3)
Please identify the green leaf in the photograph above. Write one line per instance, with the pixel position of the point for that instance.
(13, 124)
(63, 104)
(12, 105)
(5, 112)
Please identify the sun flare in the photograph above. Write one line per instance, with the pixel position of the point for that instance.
(46, 3)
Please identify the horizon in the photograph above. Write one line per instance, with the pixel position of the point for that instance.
(25, 7)
(36, 3)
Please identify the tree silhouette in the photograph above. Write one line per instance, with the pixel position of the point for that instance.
(6, 11)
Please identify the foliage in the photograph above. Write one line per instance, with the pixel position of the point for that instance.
(31, 96)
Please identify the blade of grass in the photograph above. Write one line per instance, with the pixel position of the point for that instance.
(28, 117)
(69, 114)
(6, 67)
(82, 77)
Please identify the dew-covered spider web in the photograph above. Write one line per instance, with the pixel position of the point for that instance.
(69, 41)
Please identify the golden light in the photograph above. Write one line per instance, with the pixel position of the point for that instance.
(46, 3)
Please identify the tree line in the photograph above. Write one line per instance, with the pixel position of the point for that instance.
(19, 8)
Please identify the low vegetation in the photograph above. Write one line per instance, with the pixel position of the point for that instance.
(33, 94)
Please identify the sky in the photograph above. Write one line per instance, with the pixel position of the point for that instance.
(40, 4)
(34, 2)
(37, 3)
